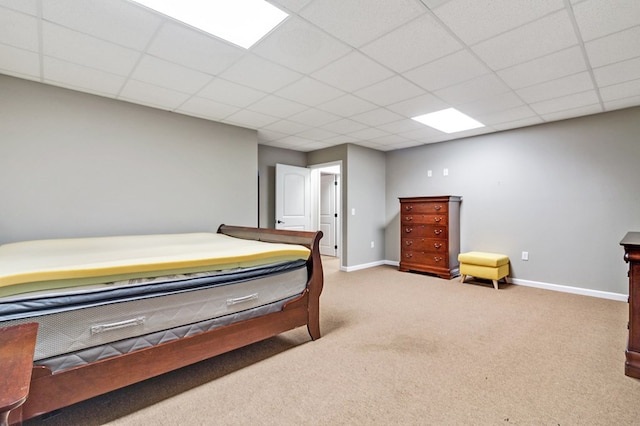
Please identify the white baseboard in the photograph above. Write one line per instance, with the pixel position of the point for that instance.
(527, 283)
(568, 289)
(362, 266)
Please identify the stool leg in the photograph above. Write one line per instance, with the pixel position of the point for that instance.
(462, 277)
(495, 284)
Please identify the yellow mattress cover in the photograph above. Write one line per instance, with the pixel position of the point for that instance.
(47, 264)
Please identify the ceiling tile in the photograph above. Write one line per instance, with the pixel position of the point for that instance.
(474, 21)
(120, 22)
(193, 49)
(419, 42)
(148, 94)
(390, 91)
(19, 62)
(418, 106)
(309, 91)
(491, 104)
(26, 6)
(230, 93)
(347, 105)
(314, 117)
(78, 77)
(368, 134)
(260, 74)
(598, 18)
(572, 113)
(352, 72)
(300, 46)
(250, 119)
(472, 90)
(576, 100)
(286, 126)
(576, 83)
(525, 43)
(620, 91)
(91, 52)
(19, 30)
(167, 74)
(317, 134)
(291, 5)
(632, 101)
(518, 123)
(505, 116)
(447, 71)
(343, 126)
(376, 117)
(618, 72)
(400, 126)
(206, 108)
(360, 21)
(549, 67)
(614, 48)
(277, 107)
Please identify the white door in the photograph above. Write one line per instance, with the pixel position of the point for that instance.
(293, 198)
(328, 214)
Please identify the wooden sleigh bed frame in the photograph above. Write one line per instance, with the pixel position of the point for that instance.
(51, 391)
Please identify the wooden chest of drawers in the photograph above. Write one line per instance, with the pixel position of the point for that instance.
(430, 235)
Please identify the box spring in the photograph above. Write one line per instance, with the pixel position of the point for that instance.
(72, 323)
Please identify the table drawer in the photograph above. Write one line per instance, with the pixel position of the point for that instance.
(429, 207)
(425, 258)
(438, 219)
(433, 245)
(422, 230)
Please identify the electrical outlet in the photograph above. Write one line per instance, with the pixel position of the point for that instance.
(525, 255)
(373, 244)
(429, 173)
(445, 172)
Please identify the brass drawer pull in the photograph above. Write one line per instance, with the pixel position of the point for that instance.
(438, 219)
(408, 208)
(408, 242)
(437, 258)
(437, 245)
(438, 208)
(408, 218)
(408, 255)
(408, 230)
(437, 231)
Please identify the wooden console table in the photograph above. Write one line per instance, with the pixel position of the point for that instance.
(631, 244)
(17, 344)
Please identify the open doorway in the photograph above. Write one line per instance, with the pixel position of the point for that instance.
(327, 218)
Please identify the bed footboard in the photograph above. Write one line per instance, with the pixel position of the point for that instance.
(51, 391)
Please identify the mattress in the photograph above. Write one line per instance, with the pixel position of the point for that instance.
(62, 263)
(74, 320)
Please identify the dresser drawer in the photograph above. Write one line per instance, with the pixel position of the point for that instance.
(438, 219)
(433, 245)
(425, 258)
(426, 207)
(426, 231)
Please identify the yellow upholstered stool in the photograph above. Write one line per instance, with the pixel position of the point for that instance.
(491, 266)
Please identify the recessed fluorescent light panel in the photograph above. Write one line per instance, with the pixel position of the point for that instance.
(241, 22)
(449, 120)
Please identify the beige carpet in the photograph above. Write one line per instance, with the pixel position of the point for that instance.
(403, 348)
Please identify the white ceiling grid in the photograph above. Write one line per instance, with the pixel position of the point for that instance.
(342, 71)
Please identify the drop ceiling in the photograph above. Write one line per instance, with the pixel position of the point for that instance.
(342, 71)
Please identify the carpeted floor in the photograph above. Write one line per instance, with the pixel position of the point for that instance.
(404, 348)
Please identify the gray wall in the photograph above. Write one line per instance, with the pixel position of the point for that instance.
(566, 192)
(73, 164)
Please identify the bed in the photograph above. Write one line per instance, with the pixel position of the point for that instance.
(134, 307)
